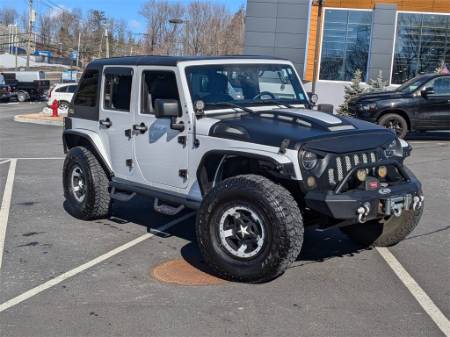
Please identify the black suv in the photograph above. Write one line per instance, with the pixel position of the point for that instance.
(422, 103)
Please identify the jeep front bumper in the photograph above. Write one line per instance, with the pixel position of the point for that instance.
(363, 205)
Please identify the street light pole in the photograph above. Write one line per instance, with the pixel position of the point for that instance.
(178, 21)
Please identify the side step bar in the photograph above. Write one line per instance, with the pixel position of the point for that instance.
(121, 196)
(125, 190)
(166, 209)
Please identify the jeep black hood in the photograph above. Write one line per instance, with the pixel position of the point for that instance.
(319, 130)
(376, 96)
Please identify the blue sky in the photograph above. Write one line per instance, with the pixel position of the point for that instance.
(126, 9)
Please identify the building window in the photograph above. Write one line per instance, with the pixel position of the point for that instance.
(345, 44)
(422, 45)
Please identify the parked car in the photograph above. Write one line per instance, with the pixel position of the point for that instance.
(422, 104)
(62, 93)
(258, 167)
(5, 90)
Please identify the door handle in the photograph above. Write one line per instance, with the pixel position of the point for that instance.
(106, 123)
(141, 128)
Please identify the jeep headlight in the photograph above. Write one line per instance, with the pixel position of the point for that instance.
(308, 160)
(394, 149)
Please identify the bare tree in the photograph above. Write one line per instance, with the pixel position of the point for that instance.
(209, 28)
(8, 16)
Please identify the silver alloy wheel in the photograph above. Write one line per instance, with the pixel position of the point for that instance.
(395, 125)
(64, 107)
(241, 232)
(78, 183)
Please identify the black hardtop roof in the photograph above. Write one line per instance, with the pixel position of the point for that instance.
(148, 60)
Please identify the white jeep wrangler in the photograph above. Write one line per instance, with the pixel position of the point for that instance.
(237, 139)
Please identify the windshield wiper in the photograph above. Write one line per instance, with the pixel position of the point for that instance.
(231, 105)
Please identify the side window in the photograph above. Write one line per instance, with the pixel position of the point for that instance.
(87, 93)
(71, 89)
(441, 86)
(157, 85)
(62, 89)
(117, 89)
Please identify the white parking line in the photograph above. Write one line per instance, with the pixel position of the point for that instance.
(6, 205)
(4, 161)
(54, 281)
(419, 294)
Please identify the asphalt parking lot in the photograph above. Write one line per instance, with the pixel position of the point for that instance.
(64, 277)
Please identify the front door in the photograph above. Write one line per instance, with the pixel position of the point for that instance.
(116, 118)
(161, 152)
(434, 110)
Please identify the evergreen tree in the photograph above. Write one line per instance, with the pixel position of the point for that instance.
(352, 90)
(378, 84)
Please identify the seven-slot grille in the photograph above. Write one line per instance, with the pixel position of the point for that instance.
(344, 163)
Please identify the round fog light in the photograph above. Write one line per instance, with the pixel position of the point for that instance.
(361, 174)
(311, 182)
(382, 171)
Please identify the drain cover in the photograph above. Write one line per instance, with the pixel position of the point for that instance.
(183, 273)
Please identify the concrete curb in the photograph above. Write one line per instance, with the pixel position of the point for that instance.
(44, 120)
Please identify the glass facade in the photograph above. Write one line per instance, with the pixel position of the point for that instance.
(345, 44)
(422, 44)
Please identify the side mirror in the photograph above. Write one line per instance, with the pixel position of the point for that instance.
(426, 92)
(328, 108)
(313, 98)
(167, 108)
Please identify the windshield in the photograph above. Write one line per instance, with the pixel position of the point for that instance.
(244, 84)
(412, 84)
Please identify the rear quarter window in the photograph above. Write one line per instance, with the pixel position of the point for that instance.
(87, 94)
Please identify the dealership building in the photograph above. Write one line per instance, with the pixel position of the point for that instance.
(330, 39)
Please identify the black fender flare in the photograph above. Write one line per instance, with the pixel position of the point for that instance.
(89, 142)
(285, 170)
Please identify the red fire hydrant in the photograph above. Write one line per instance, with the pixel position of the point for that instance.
(55, 107)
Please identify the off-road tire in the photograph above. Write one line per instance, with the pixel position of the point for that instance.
(282, 218)
(385, 232)
(385, 120)
(97, 202)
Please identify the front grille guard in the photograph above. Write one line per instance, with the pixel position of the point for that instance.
(389, 162)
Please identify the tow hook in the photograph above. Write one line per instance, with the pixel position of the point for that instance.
(417, 202)
(363, 212)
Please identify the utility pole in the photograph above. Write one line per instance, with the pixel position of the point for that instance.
(316, 49)
(78, 49)
(31, 15)
(15, 45)
(107, 43)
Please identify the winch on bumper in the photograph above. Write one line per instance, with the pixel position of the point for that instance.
(359, 206)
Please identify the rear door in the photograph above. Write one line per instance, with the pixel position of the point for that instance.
(116, 115)
(435, 108)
